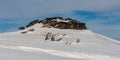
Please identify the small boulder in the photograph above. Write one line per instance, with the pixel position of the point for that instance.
(31, 30)
(24, 32)
(32, 23)
(21, 28)
(68, 19)
(57, 18)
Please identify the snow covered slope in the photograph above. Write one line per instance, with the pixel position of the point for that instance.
(31, 45)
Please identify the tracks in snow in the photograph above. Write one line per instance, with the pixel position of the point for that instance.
(62, 53)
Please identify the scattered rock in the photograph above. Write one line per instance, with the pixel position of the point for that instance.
(31, 30)
(21, 28)
(24, 32)
(78, 40)
(68, 19)
(32, 23)
(52, 38)
(48, 36)
(61, 25)
(59, 39)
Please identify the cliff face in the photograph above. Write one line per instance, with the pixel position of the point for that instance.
(59, 22)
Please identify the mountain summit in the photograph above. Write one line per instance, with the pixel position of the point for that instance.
(57, 39)
(59, 22)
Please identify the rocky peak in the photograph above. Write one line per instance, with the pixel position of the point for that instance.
(59, 22)
(52, 18)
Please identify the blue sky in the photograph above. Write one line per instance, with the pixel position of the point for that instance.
(101, 16)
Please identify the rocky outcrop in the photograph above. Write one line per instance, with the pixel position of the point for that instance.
(59, 22)
(21, 28)
(31, 30)
(66, 23)
(60, 18)
(32, 23)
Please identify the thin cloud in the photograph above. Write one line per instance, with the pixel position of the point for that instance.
(30, 8)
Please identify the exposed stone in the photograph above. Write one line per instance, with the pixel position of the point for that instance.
(40, 21)
(21, 28)
(78, 40)
(24, 32)
(52, 38)
(32, 23)
(54, 18)
(53, 23)
(59, 22)
(46, 21)
(68, 19)
(47, 25)
(31, 30)
(61, 25)
(57, 18)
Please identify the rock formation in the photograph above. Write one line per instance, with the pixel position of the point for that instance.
(32, 23)
(59, 22)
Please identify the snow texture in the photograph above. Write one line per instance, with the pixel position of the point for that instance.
(33, 46)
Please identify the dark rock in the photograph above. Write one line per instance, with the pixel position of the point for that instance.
(59, 22)
(21, 28)
(52, 38)
(31, 29)
(61, 25)
(24, 32)
(78, 40)
(59, 39)
(47, 36)
(47, 25)
(54, 18)
(48, 19)
(53, 23)
(32, 23)
(57, 18)
(40, 21)
(68, 19)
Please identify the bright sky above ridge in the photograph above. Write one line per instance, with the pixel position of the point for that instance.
(101, 16)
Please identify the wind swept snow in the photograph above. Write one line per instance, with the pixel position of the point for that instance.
(62, 53)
